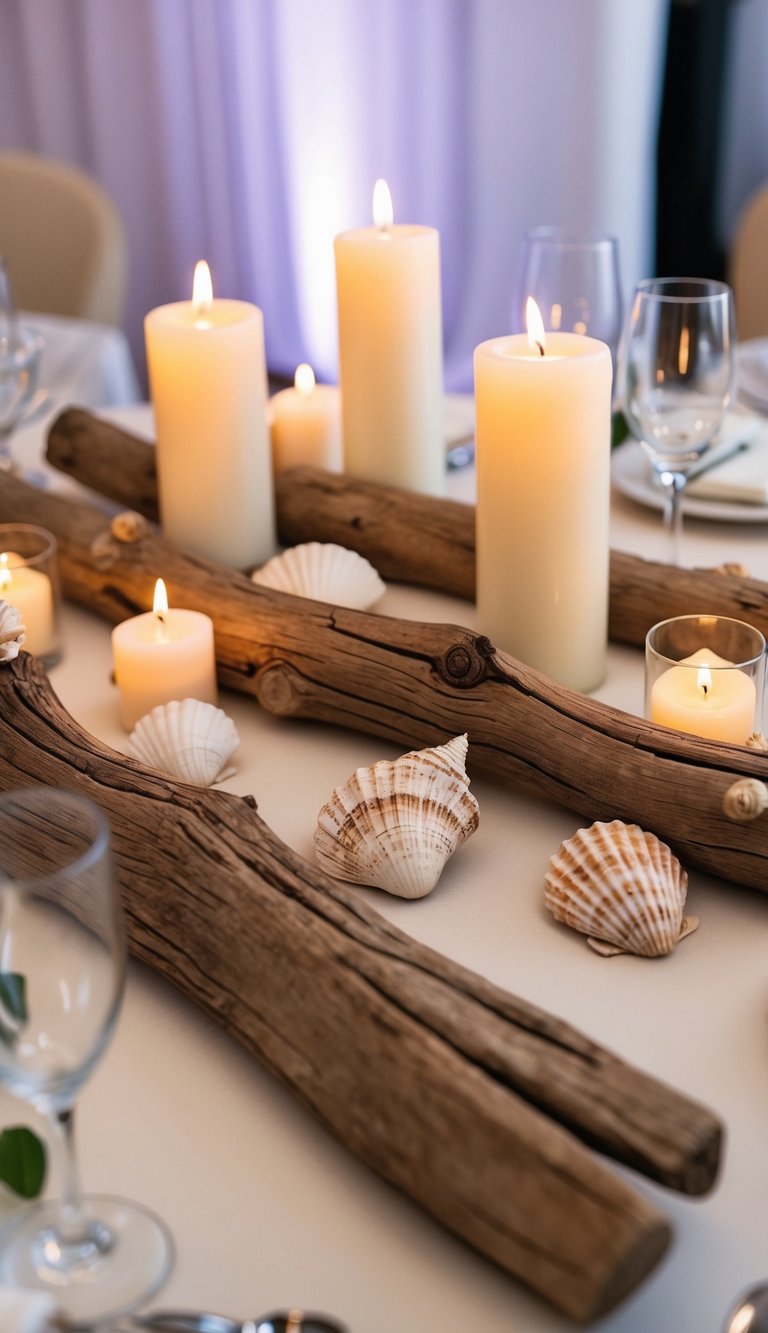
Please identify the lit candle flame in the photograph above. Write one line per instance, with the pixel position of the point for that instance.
(704, 680)
(684, 351)
(202, 294)
(383, 213)
(304, 379)
(535, 325)
(5, 573)
(160, 600)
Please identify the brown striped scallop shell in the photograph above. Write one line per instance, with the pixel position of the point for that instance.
(621, 887)
(394, 825)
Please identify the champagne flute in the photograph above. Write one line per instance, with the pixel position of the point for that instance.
(20, 352)
(679, 373)
(573, 276)
(62, 973)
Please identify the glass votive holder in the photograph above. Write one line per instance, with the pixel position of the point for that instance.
(705, 675)
(29, 580)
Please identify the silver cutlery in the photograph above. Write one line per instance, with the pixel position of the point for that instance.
(750, 1315)
(707, 464)
(192, 1321)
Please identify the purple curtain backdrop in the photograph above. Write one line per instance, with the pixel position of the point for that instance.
(250, 132)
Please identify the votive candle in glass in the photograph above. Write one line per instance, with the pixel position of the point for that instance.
(705, 675)
(29, 580)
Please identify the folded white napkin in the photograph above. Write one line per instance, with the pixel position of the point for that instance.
(26, 1311)
(743, 477)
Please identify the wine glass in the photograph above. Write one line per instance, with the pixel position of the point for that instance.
(62, 973)
(573, 276)
(20, 352)
(679, 372)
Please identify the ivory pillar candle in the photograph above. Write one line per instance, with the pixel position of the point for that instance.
(305, 424)
(390, 351)
(162, 655)
(543, 490)
(706, 696)
(208, 383)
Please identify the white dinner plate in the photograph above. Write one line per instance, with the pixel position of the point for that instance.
(632, 476)
(752, 363)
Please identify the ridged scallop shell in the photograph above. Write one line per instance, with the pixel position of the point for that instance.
(189, 740)
(394, 825)
(622, 887)
(12, 632)
(324, 572)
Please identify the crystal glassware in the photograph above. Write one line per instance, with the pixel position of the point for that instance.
(573, 276)
(678, 375)
(20, 351)
(62, 973)
(705, 675)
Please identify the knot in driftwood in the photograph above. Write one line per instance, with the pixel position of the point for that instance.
(466, 664)
(277, 689)
(745, 800)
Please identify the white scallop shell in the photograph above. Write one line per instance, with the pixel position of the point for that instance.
(622, 887)
(324, 572)
(12, 632)
(189, 740)
(394, 825)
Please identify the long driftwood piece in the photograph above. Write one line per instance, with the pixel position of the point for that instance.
(409, 538)
(418, 684)
(439, 1080)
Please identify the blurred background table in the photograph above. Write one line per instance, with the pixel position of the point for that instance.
(266, 1209)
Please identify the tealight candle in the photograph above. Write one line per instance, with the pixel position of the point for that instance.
(390, 351)
(698, 690)
(543, 493)
(306, 424)
(162, 655)
(208, 384)
(29, 581)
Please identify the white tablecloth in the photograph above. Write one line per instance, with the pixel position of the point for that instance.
(266, 1208)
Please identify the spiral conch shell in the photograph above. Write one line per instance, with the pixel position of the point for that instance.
(323, 572)
(12, 632)
(189, 740)
(394, 825)
(621, 887)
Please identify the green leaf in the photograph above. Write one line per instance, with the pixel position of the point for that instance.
(619, 429)
(13, 1005)
(22, 1161)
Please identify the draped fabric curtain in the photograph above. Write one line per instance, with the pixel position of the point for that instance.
(250, 132)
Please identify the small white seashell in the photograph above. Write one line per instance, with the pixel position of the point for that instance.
(394, 825)
(745, 800)
(12, 632)
(189, 740)
(323, 572)
(757, 741)
(622, 887)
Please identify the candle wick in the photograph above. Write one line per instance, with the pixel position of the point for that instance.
(540, 347)
(705, 689)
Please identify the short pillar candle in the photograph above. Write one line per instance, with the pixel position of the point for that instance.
(162, 655)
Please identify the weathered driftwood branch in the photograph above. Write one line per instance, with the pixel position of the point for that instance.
(439, 1080)
(417, 683)
(409, 538)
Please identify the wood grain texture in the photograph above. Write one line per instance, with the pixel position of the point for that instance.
(418, 684)
(408, 538)
(463, 1096)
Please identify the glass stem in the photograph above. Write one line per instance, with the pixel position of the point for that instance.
(72, 1225)
(673, 515)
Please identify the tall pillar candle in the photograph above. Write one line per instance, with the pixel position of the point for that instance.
(543, 490)
(208, 385)
(390, 352)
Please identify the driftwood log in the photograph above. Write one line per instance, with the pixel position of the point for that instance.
(439, 1080)
(417, 684)
(409, 538)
